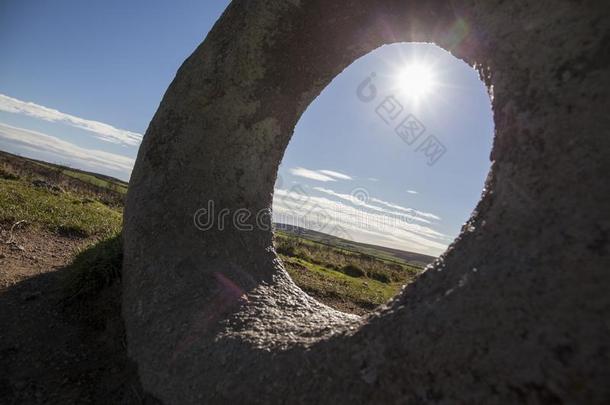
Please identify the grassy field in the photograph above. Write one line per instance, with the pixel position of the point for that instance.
(345, 279)
(90, 178)
(65, 213)
(107, 190)
(346, 275)
(384, 253)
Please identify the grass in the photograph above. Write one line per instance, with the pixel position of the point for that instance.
(337, 276)
(7, 173)
(107, 190)
(64, 213)
(96, 181)
(89, 178)
(94, 269)
(386, 254)
(336, 288)
(69, 214)
(345, 261)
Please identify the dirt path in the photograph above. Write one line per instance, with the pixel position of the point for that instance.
(52, 352)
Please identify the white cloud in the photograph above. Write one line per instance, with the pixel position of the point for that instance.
(325, 215)
(101, 130)
(412, 192)
(336, 175)
(87, 159)
(347, 197)
(319, 175)
(311, 174)
(407, 210)
(410, 213)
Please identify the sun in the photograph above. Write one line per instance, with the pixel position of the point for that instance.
(416, 80)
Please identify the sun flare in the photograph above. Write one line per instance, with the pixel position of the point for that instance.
(416, 80)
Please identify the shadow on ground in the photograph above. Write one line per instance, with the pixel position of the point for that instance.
(57, 350)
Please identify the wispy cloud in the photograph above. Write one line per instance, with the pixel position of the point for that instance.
(88, 159)
(407, 210)
(412, 192)
(319, 175)
(411, 213)
(102, 131)
(326, 215)
(336, 175)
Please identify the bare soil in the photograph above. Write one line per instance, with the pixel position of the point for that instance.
(53, 351)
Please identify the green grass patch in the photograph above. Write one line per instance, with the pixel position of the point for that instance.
(322, 282)
(345, 261)
(87, 178)
(335, 275)
(64, 213)
(120, 188)
(94, 269)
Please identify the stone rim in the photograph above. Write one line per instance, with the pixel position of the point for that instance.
(247, 106)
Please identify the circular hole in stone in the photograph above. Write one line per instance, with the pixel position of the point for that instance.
(382, 171)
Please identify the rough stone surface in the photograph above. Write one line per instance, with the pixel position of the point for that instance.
(517, 310)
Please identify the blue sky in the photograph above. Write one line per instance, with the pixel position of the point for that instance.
(80, 81)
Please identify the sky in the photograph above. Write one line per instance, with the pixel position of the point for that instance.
(394, 152)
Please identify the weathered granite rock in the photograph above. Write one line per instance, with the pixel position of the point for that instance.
(518, 308)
